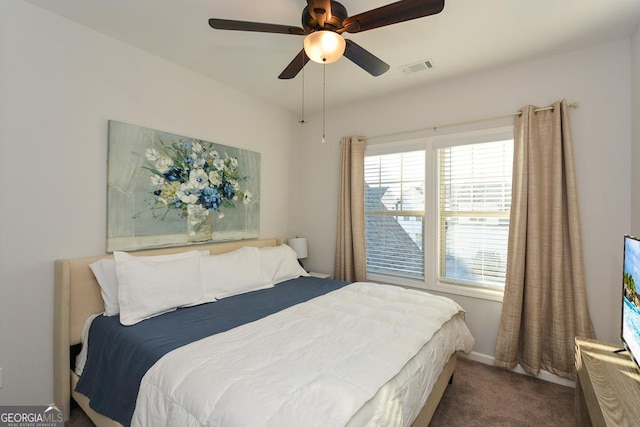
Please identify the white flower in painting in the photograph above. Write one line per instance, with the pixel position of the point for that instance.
(214, 155)
(152, 154)
(199, 162)
(163, 164)
(234, 184)
(187, 193)
(248, 198)
(157, 180)
(198, 179)
(196, 155)
(218, 164)
(232, 160)
(214, 178)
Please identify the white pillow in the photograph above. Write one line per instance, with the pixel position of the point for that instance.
(149, 286)
(104, 271)
(232, 273)
(280, 263)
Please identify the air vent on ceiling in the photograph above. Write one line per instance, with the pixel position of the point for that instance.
(426, 64)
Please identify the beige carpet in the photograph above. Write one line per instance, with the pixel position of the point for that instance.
(482, 396)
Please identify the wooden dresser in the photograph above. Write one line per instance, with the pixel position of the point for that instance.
(607, 386)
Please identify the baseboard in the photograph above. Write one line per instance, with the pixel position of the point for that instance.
(544, 375)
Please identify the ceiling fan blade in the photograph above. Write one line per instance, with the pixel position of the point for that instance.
(228, 24)
(400, 11)
(365, 59)
(295, 66)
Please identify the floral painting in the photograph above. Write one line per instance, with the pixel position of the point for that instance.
(171, 190)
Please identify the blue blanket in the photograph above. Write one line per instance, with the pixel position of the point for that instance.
(119, 356)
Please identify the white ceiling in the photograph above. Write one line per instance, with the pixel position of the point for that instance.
(468, 36)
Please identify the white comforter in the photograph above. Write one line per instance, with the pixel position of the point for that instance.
(315, 364)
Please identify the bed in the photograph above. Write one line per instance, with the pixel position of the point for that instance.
(416, 388)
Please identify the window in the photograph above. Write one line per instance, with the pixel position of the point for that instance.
(394, 213)
(437, 212)
(474, 201)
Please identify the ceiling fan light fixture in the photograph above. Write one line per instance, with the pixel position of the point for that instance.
(324, 47)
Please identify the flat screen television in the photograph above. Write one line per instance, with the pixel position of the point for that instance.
(630, 328)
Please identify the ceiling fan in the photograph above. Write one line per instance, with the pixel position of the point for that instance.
(324, 21)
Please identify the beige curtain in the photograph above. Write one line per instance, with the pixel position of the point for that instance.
(351, 257)
(545, 305)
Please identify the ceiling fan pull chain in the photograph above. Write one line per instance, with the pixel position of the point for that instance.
(302, 120)
(324, 95)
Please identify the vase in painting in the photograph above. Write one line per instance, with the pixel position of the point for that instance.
(199, 223)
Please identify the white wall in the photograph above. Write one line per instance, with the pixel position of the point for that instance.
(635, 121)
(598, 78)
(59, 85)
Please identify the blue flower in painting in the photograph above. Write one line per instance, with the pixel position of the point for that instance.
(210, 198)
(173, 174)
(227, 190)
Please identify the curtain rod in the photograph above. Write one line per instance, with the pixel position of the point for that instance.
(484, 119)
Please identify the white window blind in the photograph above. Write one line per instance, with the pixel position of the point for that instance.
(394, 213)
(474, 205)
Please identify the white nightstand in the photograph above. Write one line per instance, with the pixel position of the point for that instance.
(319, 275)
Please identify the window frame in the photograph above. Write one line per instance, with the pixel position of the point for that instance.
(431, 227)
